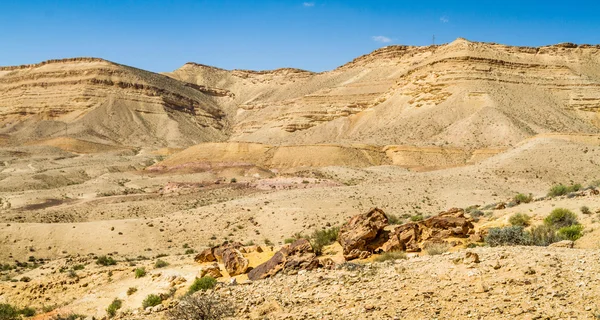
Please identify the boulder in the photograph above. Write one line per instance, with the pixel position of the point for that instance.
(562, 244)
(290, 259)
(205, 256)
(471, 257)
(412, 237)
(212, 270)
(235, 262)
(220, 250)
(364, 232)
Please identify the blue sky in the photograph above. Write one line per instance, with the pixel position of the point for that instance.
(311, 34)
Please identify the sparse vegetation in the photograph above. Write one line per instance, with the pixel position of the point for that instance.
(113, 307)
(106, 261)
(561, 190)
(544, 235)
(27, 312)
(233, 180)
(203, 284)
(131, 290)
(140, 272)
(585, 210)
(561, 217)
(190, 251)
(8, 312)
(202, 307)
(394, 219)
(572, 232)
(522, 198)
(71, 316)
(394, 255)
(151, 300)
(520, 219)
(416, 218)
(289, 240)
(508, 236)
(160, 264)
(322, 238)
(433, 249)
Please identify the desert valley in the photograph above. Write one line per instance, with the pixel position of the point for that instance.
(438, 182)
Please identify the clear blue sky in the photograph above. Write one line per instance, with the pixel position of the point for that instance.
(311, 34)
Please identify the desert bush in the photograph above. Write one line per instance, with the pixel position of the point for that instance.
(394, 255)
(289, 240)
(71, 316)
(520, 219)
(27, 312)
(522, 198)
(106, 261)
(190, 251)
(571, 232)
(322, 238)
(394, 219)
(202, 307)
(233, 180)
(8, 312)
(561, 217)
(544, 235)
(436, 248)
(113, 307)
(78, 267)
(416, 218)
(268, 242)
(585, 210)
(561, 189)
(151, 300)
(508, 236)
(160, 264)
(131, 290)
(203, 284)
(140, 272)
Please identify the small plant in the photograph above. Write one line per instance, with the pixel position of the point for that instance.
(561, 190)
(233, 180)
(437, 248)
(508, 236)
(72, 316)
(26, 312)
(416, 218)
(203, 284)
(322, 238)
(289, 240)
(151, 300)
(561, 217)
(202, 307)
(544, 235)
(131, 290)
(520, 219)
(113, 307)
(160, 264)
(571, 232)
(140, 272)
(394, 219)
(522, 198)
(394, 255)
(106, 261)
(8, 312)
(585, 210)
(78, 267)
(190, 251)
(268, 242)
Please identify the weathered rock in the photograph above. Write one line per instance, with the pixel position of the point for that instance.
(364, 232)
(562, 244)
(471, 257)
(212, 270)
(291, 258)
(205, 256)
(413, 236)
(235, 262)
(220, 250)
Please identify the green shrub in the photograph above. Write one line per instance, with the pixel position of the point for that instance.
(78, 267)
(394, 219)
(520, 219)
(131, 290)
(561, 189)
(203, 284)
(289, 240)
(522, 198)
(571, 232)
(508, 236)
(190, 251)
(72, 316)
(585, 210)
(437, 248)
(160, 264)
(322, 238)
(8, 312)
(544, 235)
(140, 272)
(416, 218)
(151, 301)
(560, 217)
(202, 307)
(233, 180)
(113, 307)
(27, 312)
(394, 255)
(106, 261)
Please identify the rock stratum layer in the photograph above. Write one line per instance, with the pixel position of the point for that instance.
(462, 95)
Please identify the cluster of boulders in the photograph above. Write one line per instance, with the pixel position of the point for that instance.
(360, 237)
(366, 234)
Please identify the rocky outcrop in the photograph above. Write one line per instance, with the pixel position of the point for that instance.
(235, 262)
(412, 237)
(363, 233)
(211, 270)
(205, 256)
(290, 259)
